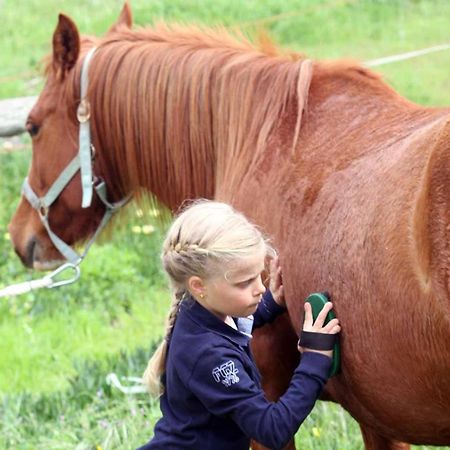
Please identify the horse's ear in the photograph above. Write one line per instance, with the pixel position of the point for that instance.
(125, 19)
(66, 45)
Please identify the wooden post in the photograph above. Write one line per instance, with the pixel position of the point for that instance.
(13, 115)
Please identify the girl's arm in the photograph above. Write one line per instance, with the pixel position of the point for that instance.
(224, 381)
(221, 380)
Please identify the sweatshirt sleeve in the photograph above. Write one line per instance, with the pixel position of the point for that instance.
(268, 310)
(221, 382)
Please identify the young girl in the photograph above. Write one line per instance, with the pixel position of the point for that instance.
(211, 389)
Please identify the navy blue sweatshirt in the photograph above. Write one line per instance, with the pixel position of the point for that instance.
(213, 398)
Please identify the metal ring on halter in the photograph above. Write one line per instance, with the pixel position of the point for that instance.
(84, 111)
(43, 210)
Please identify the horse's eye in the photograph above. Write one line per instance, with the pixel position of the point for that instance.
(32, 128)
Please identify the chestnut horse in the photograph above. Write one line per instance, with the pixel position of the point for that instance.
(351, 180)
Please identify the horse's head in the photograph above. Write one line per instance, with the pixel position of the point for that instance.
(52, 206)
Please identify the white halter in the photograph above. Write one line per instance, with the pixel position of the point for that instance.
(83, 163)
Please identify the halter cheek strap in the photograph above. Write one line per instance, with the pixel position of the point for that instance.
(84, 138)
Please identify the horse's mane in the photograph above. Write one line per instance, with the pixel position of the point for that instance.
(197, 106)
(194, 98)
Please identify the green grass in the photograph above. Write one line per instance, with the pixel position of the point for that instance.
(57, 346)
(86, 414)
(45, 344)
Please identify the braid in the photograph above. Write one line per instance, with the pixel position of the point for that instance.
(186, 248)
(157, 363)
(173, 312)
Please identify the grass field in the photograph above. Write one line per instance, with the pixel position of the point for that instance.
(56, 347)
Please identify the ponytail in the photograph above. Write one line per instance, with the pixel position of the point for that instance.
(157, 363)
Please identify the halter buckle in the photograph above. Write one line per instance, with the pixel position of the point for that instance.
(84, 111)
(92, 152)
(43, 210)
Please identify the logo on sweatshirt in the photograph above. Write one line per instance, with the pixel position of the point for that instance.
(226, 374)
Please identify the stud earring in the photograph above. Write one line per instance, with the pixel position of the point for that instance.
(202, 295)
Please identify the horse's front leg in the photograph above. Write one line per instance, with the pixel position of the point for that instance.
(275, 350)
(374, 441)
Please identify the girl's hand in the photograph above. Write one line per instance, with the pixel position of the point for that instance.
(332, 327)
(276, 281)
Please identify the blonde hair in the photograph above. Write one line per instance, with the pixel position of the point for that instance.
(204, 238)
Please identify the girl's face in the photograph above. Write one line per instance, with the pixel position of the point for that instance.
(238, 291)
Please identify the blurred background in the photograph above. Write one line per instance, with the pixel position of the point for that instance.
(57, 346)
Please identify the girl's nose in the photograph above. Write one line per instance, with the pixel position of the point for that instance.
(260, 288)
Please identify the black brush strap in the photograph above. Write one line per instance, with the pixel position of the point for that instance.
(317, 341)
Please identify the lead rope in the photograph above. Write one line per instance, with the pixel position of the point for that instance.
(48, 281)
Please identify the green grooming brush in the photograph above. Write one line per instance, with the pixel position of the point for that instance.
(317, 302)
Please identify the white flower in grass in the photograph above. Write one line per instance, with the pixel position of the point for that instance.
(148, 229)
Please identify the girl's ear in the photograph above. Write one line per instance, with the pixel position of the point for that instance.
(196, 286)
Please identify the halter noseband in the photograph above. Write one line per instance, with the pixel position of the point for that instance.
(83, 163)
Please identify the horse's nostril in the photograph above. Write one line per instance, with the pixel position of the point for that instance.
(28, 258)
